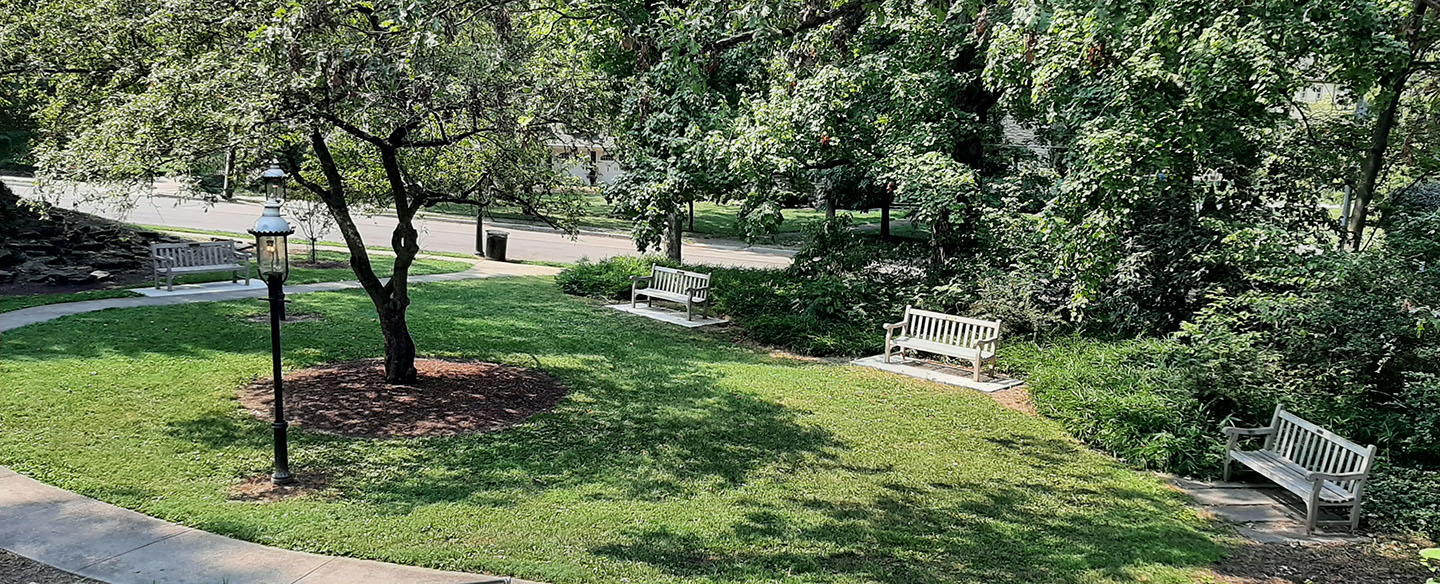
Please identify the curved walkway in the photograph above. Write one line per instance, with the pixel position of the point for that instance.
(104, 542)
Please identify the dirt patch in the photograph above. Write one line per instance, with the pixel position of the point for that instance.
(1379, 562)
(452, 397)
(19, 569)
(289, 318)
(1016, 398)
(317, 265)
(261, 490)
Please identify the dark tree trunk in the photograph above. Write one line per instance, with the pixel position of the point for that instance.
(885, 217)
(830, 206)
(692, 215)
(672, 237)
(1392, 89)
(399, 345)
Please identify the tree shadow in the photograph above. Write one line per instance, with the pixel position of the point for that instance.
(915, 535)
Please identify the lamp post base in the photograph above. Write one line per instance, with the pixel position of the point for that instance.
(282, 479)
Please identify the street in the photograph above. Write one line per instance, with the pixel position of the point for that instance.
(165, 207)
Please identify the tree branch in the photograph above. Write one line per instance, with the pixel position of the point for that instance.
(813, 21)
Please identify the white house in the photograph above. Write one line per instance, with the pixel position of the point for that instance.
(590, 160)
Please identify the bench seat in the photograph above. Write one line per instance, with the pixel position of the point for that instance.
(1287, 474)
(220, 255)
(201, 269)
(680, 286)
(926, 331)
(942, 348)
(1322, 468)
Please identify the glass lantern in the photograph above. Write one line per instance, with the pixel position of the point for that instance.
(273, 182)
(272, 252)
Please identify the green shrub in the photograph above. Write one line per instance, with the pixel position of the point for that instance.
(607, 279)
(1129, 398)
(1400, 498)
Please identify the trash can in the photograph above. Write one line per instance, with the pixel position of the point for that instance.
(495, 245)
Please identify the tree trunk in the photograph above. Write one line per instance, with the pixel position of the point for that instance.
(1392, 89)
(672, 237)
(692, 215)
(885, 217)
(399, 345)
(480, 230)
(830, 206)
(227, 184)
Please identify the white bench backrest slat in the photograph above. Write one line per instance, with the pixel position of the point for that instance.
(187, 255)
(1316, 449)
(947, 329)
(679, 281)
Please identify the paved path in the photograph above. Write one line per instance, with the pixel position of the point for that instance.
(101, 541)
(1259, 512)
(437, 233)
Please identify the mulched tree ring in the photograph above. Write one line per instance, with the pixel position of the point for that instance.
(451, 398)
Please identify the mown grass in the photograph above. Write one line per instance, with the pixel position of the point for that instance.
(677, 457)
(300, 273)
(9, 303)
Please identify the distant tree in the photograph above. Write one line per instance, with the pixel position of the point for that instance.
(312, 219)
(386, 104)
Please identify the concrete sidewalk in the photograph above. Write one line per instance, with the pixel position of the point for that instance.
(104, 542)
(226, 291)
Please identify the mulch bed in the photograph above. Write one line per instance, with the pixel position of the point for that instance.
(451, 398)
(1382, 562)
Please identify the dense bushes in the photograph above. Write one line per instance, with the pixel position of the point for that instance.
(1130, 398)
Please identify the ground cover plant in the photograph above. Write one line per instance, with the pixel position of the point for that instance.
(676, 457)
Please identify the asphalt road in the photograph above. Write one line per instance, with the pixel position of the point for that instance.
(165, 207)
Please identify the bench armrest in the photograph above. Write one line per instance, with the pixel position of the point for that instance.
(1335, 477)
(161, 258)
(634, 279)
(692, 291)
(894, 325)
(987, 341)
(1233, 431)
(243, 255)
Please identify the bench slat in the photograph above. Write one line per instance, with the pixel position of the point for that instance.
(1289, 475)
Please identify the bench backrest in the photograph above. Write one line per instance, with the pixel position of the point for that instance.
(679, 281)
(199, 253)
(948, 329)
(1316, 449)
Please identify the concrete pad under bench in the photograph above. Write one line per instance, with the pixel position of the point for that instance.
(204, 288)
(931, 371)
(667, 316)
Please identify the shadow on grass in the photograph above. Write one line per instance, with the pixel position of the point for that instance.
(990, 533)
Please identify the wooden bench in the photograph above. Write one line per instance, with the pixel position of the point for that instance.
(1323, 469)
(971, 339)
(174, 259)
(689, 288)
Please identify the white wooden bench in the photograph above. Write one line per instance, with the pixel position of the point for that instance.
(971, 339)
(1323, 469)
(689, 288)
(174, 259)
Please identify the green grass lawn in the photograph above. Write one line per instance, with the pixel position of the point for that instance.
(678, 456)
(9, 303)
(299, 274)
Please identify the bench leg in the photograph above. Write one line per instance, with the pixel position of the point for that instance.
(1355, 516)
(689, 309)
(157, 279)
(170, 283)
(1312, 511)
(977, 368)
(234, 276)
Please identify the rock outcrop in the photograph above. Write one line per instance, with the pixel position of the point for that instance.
(45, 245)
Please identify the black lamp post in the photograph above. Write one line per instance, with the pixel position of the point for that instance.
(273, 256)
